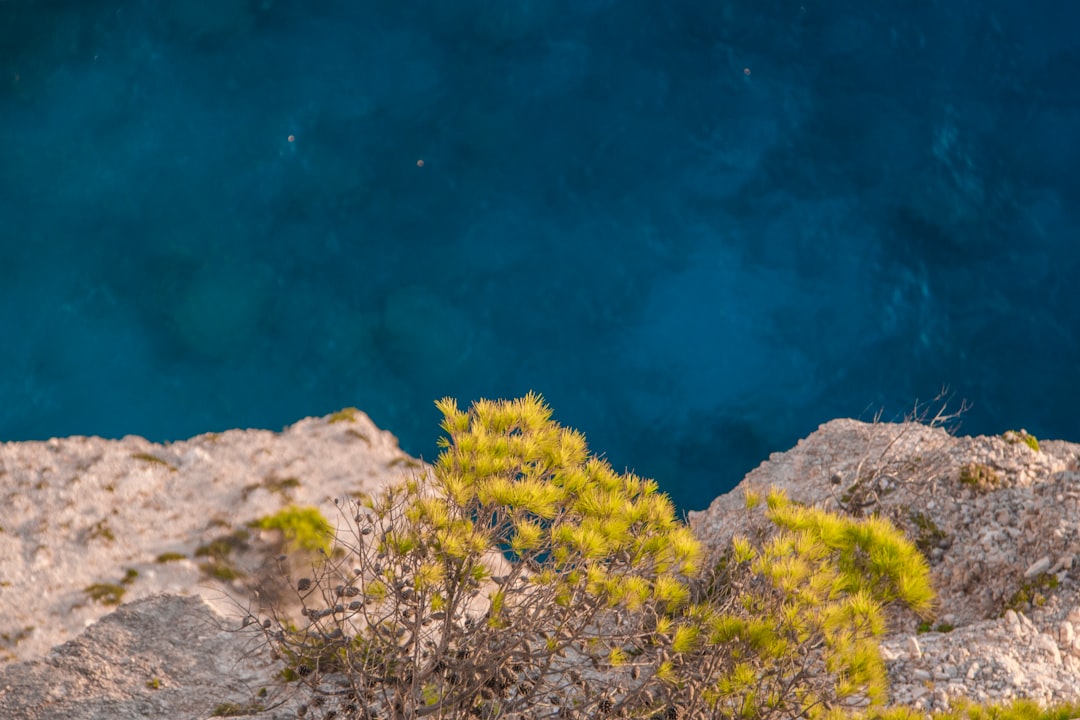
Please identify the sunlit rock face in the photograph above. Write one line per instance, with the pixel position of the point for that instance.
(133, 518)
(163, 656)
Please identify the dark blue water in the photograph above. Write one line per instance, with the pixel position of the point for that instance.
(698, 228)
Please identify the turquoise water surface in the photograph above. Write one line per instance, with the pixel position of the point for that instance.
(698, 228)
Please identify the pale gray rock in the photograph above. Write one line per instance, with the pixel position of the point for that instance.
(1038, 567)
(84, 511)
(164, 656)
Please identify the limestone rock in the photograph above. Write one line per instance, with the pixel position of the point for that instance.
(134, 518)
(164, 656)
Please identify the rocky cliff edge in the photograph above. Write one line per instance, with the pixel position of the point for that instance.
(164, 531)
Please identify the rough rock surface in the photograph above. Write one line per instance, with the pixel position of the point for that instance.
(999, 521)
(165, 656)
(1000, 524)
(84, 511)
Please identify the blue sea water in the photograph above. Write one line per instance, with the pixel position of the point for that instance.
(698, 228)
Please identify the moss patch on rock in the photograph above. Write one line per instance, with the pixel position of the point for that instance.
(217, 552)
(981, 477)
(1032, 593)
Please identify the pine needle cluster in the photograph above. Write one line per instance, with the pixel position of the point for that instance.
(789, 616)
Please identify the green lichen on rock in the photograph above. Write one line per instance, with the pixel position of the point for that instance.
(224, 571)
(111, 593)
(218, 553)
(273, 484)
(106, 593)
(281, 486)
(12, 639)
(221, 547)
(154, 460)
(101, 530)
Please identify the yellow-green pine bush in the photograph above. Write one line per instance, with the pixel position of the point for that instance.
(304, 528)
(791, 616)
(524, 577)
(1015, 709)
(480, 587)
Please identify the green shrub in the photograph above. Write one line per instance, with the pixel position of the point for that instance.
(927, 533)
(304, 528)
(507, 560)
(525, 576)
(790, 614)
(980, 476)
(1015, 436)
(348, 414)
(1016, 709)
(1032, 593)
